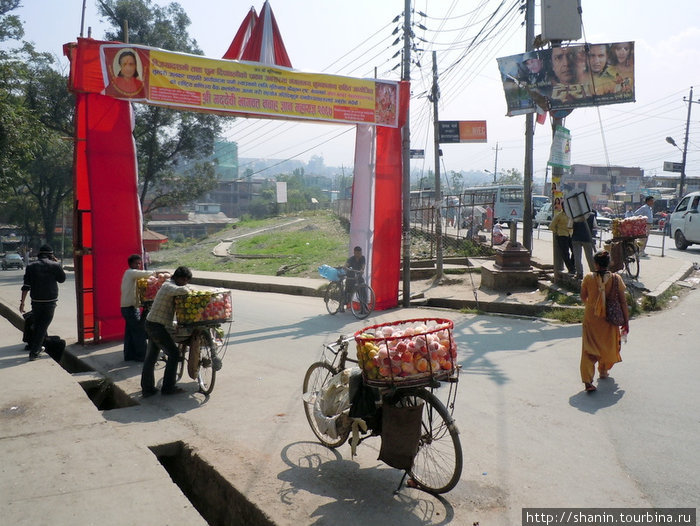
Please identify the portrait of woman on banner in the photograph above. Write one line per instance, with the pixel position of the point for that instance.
(125, 70)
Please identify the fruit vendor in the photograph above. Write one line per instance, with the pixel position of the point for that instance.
(134, 330)
(159, 320)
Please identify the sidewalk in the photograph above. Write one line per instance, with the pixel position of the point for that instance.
(63, 463)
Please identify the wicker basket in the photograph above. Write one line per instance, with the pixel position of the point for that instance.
(204, 307)
(407, 353)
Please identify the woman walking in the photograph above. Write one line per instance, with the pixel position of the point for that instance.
(600, 339)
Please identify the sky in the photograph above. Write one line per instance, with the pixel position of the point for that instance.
(353, 38)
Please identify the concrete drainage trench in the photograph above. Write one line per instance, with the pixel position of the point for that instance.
(217, 501)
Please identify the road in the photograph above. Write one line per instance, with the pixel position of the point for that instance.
(531, 437)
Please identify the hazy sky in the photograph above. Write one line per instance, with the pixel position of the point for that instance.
(352, 38)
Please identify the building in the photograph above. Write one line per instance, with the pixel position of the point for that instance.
(604, 183)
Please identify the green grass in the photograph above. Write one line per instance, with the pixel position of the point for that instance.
(300, 247)
(564, 315)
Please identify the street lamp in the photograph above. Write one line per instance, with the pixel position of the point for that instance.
(684, 151)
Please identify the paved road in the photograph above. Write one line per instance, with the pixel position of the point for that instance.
(530, 436)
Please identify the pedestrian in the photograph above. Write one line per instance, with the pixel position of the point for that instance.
(582, 241)
(134, 330)
(646, 210)
(159, 320)
(562, 235)
(600, 339)
(41, 279)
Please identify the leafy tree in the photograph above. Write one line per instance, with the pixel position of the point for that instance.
(171, 144)
(36, 114)
(511, 176)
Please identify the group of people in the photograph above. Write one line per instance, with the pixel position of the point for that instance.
(146, 331)
(574, 238)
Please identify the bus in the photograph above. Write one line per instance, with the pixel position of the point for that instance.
(506, 200)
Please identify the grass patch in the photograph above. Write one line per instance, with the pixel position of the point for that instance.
(650, 304)
(564, 315)
(563, 299)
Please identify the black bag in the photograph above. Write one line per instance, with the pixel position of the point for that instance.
(401, 428)
(55, 346)
(28, 326)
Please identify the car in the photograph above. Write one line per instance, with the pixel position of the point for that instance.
(12, 261)
(537, 202)
(685, 221)
(544, 215)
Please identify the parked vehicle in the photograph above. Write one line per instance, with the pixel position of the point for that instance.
(685, 221)
(544, 216)
(12, 261)
(537, 202)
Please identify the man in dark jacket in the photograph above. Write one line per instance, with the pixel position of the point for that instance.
(41, 279)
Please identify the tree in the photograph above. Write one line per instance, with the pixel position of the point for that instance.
(36, 113)
(170, 144)
(511, 176)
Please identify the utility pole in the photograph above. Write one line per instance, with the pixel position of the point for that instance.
(438, 194)
(495, 164)
(690, 102)
(406, 160)
(529, 134)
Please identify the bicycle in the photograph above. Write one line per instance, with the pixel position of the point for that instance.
(437, 465)
(203, 347)
(630, 255)
(360, 298)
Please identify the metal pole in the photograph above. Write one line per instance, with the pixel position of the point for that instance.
(406, 160)
(438, 194)
(529, 137)
(495, 164)
(685, 144)
(82, 19)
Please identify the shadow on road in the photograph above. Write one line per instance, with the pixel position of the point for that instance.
(608, 394)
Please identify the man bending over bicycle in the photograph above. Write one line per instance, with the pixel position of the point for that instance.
(159, 320)
(356, 263)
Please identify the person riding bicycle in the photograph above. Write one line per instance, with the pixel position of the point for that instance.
(357, 263)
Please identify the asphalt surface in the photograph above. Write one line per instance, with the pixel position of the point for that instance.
(64, 461)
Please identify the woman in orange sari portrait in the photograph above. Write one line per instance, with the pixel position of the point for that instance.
(126, 83)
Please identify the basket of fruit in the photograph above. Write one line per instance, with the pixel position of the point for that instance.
(407, 353)
(630, 227)
(204, 307)
(147, 288)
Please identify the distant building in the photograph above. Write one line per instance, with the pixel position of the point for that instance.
(601, 182)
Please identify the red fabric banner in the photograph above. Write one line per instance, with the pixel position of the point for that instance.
(386, 249)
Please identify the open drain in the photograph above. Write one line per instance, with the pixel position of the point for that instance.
(216, 500)
(104, 394)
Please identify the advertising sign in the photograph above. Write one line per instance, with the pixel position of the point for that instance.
(560, 153)
(461, 131)
(195, 82)
(568, 77)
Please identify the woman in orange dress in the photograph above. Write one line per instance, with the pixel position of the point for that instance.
(600, 339)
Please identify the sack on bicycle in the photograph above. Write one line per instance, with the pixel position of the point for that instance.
(364, 401)
(401, 430)
(617, 256)
(332, 404)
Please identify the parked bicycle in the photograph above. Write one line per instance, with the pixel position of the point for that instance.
(437, 465)
(357, 295)
(629, 252)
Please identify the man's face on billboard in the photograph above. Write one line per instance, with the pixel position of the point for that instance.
(563, 65)
(598, 58)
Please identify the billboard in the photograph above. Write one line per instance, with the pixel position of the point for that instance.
(194, 82)
(461, 131)
(568, 77)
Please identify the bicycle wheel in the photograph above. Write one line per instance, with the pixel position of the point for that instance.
(632, 260)
(206, 375)
(334, 292)
(437, 466)
(317, 376)
(362, 301)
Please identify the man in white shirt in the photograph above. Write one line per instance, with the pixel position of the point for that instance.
(134, 331)
(646, 210)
